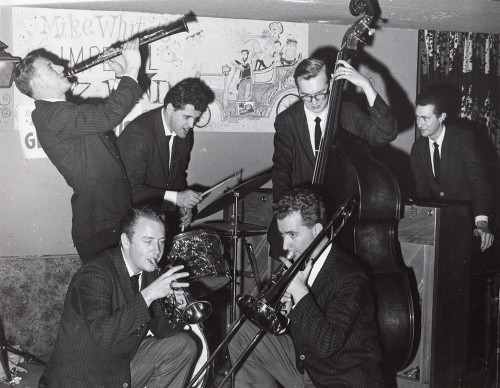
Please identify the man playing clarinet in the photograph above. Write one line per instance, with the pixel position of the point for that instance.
(79, 140)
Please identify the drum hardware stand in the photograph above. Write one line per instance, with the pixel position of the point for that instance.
(253, 263)
(235, 235)
(235, 258)
(495, 365)
(4, 348)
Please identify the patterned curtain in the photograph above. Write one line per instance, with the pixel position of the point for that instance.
(471, 63)
(467, 66)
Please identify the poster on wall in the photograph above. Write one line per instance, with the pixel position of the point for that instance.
(248, 63)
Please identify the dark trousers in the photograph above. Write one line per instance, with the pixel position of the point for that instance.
(97, 243)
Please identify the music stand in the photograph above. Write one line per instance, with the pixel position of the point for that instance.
(233, 196)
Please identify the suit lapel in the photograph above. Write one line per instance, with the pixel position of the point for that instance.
(174, 165)
(161, 140)
(327, 268)
(445, 154)
(435, 187)
(303, 134)
(123, 276)
(427, 159)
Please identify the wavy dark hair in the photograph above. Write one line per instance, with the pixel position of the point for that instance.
(436, 98)
(193, 91)
(309, 204)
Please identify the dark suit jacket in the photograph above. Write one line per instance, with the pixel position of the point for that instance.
(76, 140)
(463, 172)
(143, 147)
(102, 325)
(334, 327)
(293, 159)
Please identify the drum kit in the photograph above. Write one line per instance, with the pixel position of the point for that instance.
(201, 250)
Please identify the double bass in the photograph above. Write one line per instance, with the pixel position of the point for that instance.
(344, 168)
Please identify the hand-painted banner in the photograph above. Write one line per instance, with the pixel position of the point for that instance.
(248, 63)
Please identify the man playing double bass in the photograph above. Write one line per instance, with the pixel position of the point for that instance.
(300, 127)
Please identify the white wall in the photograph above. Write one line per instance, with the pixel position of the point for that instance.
(35, 209)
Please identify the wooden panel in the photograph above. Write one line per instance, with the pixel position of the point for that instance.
(256, 208)
(435, 243)
(418, 225)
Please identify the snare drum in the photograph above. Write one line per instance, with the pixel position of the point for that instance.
(201, 254)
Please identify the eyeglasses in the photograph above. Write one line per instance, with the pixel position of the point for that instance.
(318, 97)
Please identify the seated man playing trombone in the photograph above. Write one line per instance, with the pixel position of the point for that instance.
(331, 339)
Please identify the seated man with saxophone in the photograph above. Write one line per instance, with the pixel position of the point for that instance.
(113, 303)
(331, 339)
(79, 140)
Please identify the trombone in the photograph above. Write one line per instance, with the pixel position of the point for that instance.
(264, 309)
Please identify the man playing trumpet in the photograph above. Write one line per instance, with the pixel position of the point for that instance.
(79, 141)
(331, 337)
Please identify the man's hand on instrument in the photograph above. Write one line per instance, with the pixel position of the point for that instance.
(343, 70)
(186, 216)
(487, 237)
(165, 285)
(188, 198)
(287, 303)
(298, 287)
(129, 62)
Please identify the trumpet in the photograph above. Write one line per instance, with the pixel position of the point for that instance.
(145, 37)
(194, 311)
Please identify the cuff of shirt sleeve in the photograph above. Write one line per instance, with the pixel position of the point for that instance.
(480, 218)
(171, 197)
(130, 76)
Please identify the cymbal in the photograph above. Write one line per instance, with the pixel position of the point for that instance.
(227, 228)
(227, 199)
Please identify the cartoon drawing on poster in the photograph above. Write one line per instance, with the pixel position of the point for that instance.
(248, 63)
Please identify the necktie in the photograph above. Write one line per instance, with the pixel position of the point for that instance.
(168, 148)
(134, 279)
(437, 163)
(317, 134)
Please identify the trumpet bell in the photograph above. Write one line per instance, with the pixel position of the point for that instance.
(261, 314)
(196, 312)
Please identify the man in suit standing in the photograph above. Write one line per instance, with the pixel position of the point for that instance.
(156, 146)
(79, 141)
(102, 340)
(332, 336)
(299, 128)
(447, 165)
